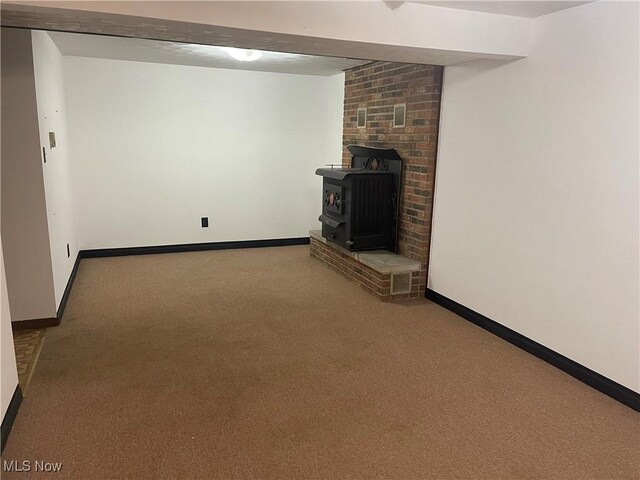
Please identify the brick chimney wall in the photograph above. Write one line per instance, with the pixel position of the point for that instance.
(378, 87)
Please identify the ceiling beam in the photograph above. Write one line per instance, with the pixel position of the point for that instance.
(395, 31)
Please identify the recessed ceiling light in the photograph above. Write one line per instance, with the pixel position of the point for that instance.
(243, 55)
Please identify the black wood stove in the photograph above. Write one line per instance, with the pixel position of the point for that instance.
(360, 203)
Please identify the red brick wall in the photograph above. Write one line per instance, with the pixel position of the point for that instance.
(379, 86)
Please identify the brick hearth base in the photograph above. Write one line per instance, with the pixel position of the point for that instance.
(388, 276)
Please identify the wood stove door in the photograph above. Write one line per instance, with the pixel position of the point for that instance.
(333, 213)
(333, 201)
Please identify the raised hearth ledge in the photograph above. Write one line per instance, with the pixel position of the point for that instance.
(382, 261)
(387, 275)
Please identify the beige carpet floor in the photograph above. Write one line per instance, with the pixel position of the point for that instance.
(265, 364)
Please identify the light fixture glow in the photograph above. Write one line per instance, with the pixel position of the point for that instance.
(243, 55)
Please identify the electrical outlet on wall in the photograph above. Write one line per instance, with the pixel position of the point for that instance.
(205, 222)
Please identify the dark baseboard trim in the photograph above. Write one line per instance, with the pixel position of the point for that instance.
(55, 321)
(35, 323)
(601, 383)
(10, 415)
(67, 290)
(192, 247)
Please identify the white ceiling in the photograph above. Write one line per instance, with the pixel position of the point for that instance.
(522, 8)
(154, 51)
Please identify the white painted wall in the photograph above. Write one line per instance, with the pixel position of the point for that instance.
(47, 62)
(536, 208)
(25, 233)
(156, 147)
(335, 114)
(8, 368)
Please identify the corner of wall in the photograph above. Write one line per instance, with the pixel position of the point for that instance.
(24, 218)
(52, 119)
(9, 373)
